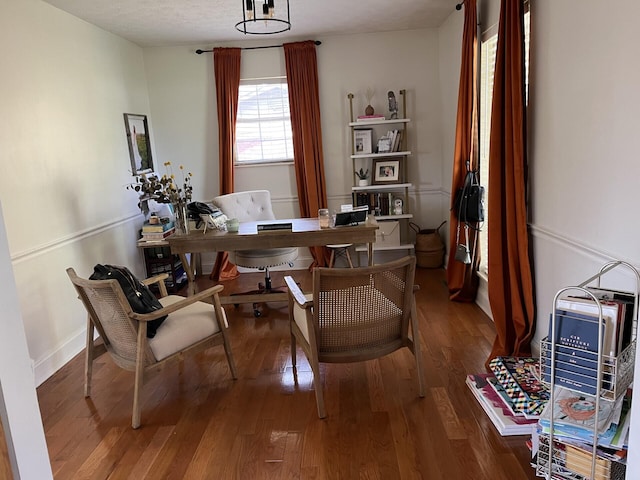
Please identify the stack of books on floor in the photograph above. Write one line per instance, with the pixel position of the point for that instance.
(512, 395)
(154, 232)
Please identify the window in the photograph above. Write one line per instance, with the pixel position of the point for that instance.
(263, 128)
(487, 66)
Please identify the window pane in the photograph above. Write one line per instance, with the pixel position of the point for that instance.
(263, 129)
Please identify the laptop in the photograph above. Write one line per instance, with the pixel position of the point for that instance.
(352, 217)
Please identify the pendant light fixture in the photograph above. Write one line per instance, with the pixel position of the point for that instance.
(265, 22)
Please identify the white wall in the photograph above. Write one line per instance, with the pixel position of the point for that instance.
(64, 162)
(19, 411)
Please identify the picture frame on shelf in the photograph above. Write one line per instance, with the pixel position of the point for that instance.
(139, 143)
(387, 170)
(362, 141)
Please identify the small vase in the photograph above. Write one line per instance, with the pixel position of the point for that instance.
(369, 110)
(181, 219)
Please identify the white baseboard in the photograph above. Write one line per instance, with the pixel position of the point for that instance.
(46, 367)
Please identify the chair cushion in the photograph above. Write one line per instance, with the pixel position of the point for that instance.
(300, 317)
(184, 327)
(264, 258)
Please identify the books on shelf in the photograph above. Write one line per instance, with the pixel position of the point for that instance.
(519, 377)
(390, 141)
(157, 227)
(503, 418)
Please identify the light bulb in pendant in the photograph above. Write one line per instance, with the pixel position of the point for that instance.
(272, 8)
(249, 9)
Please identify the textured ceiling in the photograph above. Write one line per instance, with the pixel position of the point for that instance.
(187, 22)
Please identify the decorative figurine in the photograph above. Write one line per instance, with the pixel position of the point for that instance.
(397, 206)
(393, 105)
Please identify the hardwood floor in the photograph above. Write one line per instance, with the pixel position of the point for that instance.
(5, 464)
(197, 423)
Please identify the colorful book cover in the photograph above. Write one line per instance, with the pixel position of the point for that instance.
(519, 377)
(501, 416)
(574, 414)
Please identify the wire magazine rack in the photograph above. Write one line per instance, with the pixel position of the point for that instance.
(608, 378)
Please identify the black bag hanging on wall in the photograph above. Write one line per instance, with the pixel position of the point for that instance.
(140, 297)
(468, 205)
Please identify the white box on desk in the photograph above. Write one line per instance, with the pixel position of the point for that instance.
(388, 233)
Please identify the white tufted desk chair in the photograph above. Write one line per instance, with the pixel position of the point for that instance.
(252, 206)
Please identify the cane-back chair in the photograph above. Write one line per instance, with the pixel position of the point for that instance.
(353, 315)
(192, 325)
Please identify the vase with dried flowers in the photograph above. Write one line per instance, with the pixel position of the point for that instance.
(369, 96)
(166, 189)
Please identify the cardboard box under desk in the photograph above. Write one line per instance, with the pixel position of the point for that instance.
(388, 233)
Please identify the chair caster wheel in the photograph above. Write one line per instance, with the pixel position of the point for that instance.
(257, 313)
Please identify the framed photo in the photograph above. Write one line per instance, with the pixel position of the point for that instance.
(387, 170)
(362, 141)
(139, 143)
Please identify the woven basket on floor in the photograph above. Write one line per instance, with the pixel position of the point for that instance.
(429, 246)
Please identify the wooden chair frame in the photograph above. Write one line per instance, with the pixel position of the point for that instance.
(392, 283)
(142, 360)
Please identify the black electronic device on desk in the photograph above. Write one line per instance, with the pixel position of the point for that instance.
(269, 227)
(352, 217)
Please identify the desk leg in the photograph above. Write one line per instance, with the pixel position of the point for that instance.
(189, 268)
(370, 253)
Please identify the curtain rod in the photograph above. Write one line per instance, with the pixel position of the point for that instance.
(200, 52)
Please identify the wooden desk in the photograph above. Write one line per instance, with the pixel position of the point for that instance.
(305, 233)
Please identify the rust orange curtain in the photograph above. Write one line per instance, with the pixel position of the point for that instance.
(462, 279)
(226, 67)
(510, 278)
(302, 79)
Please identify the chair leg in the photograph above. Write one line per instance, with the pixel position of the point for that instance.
(317, 385)
(294, 358)
(139, 378)
(416, 350)
(225, 338)
(88, 361)
(346, 251)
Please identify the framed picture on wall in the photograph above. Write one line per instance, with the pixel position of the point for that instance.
(387, 170)
(139, 143)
